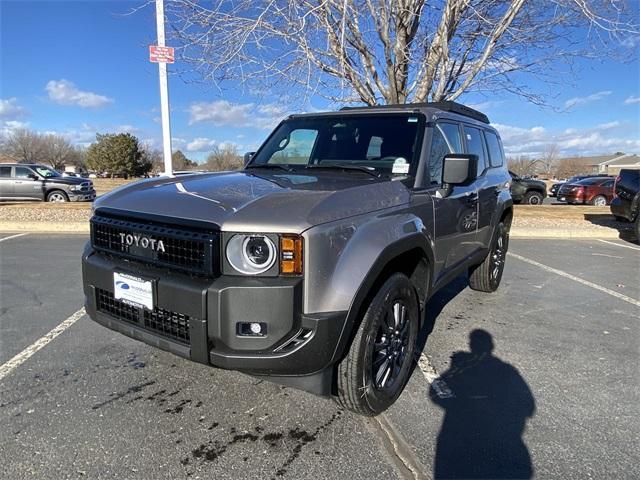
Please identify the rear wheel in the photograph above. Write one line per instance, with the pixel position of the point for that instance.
(486, 276)
(533, 198)
(373, 374)
(57, 196)
(599, 201)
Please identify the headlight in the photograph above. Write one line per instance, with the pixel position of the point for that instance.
(75, 188)
(251, 254)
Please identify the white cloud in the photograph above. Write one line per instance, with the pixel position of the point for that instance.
(10, 109)
(9, 126)
(579, 101)
(201, 144)
(632, 100)
(224, 113)
(600, 139)
(65, 92)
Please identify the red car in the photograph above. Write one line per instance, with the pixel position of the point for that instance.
(594, 191)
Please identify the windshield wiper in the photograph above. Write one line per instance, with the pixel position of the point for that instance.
(334, 166)
(269, 165)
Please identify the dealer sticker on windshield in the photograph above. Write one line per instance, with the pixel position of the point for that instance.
(133, 290)
(400, 166)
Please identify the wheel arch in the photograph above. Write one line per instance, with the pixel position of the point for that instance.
(412, 256)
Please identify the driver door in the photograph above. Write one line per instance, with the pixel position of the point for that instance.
(25, 186)
(456, 214)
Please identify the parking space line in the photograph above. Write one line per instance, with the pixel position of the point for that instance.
(13, 236)
(564, 274)
(618, 244)
(24, 355)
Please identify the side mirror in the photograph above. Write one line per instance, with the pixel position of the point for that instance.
(247, 157)
(459, 169)
(33, 176)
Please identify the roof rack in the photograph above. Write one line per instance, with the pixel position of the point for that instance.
(447, 106)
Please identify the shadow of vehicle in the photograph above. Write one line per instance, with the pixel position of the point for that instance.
(487, 404)
(625, 229)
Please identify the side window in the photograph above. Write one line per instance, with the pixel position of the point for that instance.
(446, 139)
(474, 145)
(496, 156)
(373, 150)
(5, 172)
(23, 172)
(297, 148)
(607, 184)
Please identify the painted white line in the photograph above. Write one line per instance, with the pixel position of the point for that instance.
(13, 236)
(595, 286)
(605, 255)
(618, 244)
(428, 370)
(22, 357)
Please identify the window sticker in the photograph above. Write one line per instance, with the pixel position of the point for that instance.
(400, 166)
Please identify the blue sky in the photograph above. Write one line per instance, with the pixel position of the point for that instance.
(77, 68)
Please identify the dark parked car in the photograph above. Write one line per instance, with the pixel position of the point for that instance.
(527, 190)
(22, 181)
(626, 201)
(594, 191)
(312, 266)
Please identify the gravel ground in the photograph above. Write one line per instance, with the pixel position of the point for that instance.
(38, 212)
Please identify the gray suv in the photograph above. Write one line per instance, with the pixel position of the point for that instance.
(26, 181)
(313, 265)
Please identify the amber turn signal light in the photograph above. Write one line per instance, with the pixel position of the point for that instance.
(291, 254)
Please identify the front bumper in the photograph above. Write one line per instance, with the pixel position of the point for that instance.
(295, 345)
(82, 196)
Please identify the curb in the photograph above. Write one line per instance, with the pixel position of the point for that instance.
(529, 232)
(82, 228)
(44, 227)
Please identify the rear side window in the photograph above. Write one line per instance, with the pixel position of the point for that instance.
(496, 157)
(607, 184)
(446, 139)
(5, 172)
(475, 146)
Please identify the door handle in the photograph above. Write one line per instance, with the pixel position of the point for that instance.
(17, 181)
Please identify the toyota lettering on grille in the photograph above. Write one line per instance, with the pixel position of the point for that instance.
(132, 239)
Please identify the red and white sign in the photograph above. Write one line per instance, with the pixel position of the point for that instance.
(159, 54)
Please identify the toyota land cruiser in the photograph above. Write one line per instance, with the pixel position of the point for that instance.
(312, 266)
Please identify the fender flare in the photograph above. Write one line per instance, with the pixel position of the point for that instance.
(384, 259)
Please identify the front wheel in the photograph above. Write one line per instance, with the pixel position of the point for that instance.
(533, 198)
(486, 276)
(57, 196)
(373, 374)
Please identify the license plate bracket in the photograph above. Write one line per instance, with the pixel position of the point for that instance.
(134, 290)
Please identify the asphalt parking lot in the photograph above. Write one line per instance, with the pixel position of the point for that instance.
(548, 388)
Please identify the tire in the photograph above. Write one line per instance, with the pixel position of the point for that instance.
(621, 219)
(57, 196)
(486, 276)
(376, 369)
(638, 228)
(599, 201)
(533, 198)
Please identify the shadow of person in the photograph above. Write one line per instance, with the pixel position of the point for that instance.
(486, 404)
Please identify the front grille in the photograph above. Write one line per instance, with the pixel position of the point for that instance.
(176, 247)
(169, 324)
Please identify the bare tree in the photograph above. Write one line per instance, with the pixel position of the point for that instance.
(549, 158)
(223, 158)
(24, 146)
(394, 51)
(568, 167)
(522, 165)
(57, 151)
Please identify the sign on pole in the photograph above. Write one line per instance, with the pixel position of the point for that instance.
(158, 54)
(163, 54)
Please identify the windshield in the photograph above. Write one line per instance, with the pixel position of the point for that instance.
(384, 143)
(46, 171)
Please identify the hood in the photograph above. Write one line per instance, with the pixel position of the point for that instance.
(68, 180)
(534, 183)
(257, 202)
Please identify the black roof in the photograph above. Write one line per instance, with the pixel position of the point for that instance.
(446, 106)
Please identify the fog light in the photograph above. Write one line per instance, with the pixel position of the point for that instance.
(252, 329)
